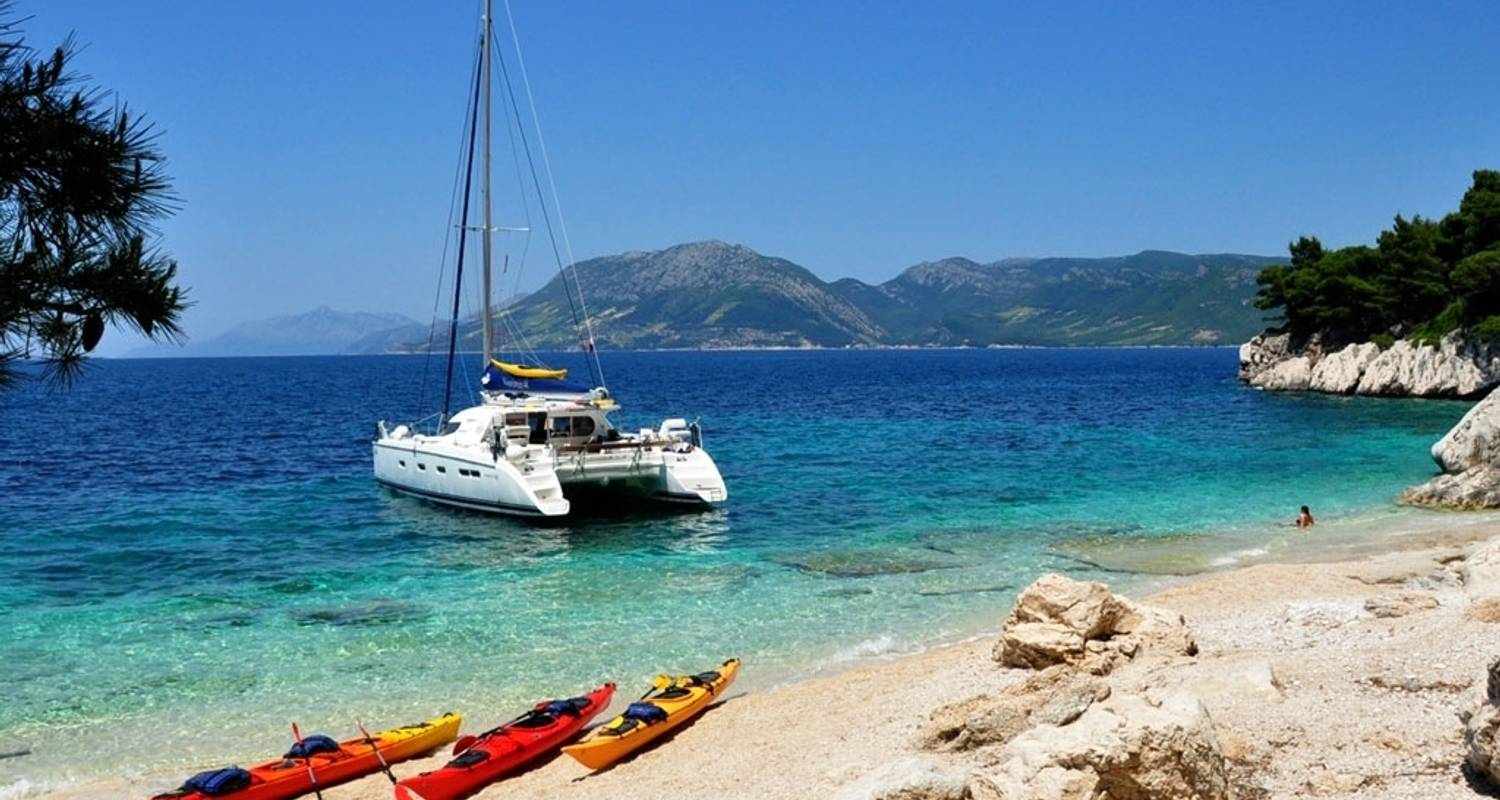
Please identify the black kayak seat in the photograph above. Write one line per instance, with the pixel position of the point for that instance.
(469, 758)
(536, 719)
(626, 726)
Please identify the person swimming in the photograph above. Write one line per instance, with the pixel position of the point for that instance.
(1305, 518)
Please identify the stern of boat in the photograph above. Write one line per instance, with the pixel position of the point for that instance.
(690, 476)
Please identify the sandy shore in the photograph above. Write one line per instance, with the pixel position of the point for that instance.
(1372, 659)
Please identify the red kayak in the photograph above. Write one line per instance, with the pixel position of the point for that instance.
(500, 752)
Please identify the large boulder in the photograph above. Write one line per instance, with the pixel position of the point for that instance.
(1055, 696)
(1482, 729)
(1339, 373)
(1263, 351)
(1470, 490)
(1131, 747)
(1291, 375)
(1058, 620)
(1474, 441)
(1481, 570)
(1469, 456)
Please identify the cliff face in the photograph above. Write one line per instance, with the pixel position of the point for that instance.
(1457, 366)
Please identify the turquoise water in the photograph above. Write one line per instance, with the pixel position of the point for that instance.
(195, 553)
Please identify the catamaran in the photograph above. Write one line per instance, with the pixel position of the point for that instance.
(536, 441)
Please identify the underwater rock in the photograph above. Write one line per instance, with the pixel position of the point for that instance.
(847, 591)
(374, 612)
(1131, 554)
(862, 564)
(997, 589)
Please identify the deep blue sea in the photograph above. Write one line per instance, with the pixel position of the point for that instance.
(194, 552)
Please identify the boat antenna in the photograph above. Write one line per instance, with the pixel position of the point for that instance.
(596, 368)
(463, 230)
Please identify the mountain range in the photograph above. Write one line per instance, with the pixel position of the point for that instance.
(718, 295)
(714, 295)
(321, 331)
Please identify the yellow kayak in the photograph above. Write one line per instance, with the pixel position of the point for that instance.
(523, 371)
(672, 702)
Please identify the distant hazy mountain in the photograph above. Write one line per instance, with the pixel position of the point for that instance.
(712, 294)
(322, 331)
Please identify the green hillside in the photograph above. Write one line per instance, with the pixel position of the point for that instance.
(712, 294)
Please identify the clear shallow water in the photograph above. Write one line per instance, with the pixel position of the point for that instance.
(194, 552)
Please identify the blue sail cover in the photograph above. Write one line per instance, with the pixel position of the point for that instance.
(498, 380)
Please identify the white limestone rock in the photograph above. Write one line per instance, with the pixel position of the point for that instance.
(1456, 367)
(1474, 441)
(1482, 729)
(1292, 375)
(1469, 455)
(1263, 351)
(1340, 372)
(1058, 620)
(908, 778)
(1130, 746)
(1481, 570)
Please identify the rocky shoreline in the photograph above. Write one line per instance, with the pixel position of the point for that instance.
(1373, 679)
(1356, 679)
(1457, 367)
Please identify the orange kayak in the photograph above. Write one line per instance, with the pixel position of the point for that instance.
(332, 763)
(672, 702)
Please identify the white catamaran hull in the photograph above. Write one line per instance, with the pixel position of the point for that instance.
(686, 476)
(463, 481)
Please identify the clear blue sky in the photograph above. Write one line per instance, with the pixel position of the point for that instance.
(314, 143)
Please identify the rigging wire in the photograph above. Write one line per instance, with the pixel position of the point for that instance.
(523, 347)
(437, 298)
(581, 323)
(463, 234)
(588, 325)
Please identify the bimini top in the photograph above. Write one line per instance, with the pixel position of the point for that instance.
(502, 377)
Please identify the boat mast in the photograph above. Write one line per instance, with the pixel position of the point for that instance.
(488, 226)
(463, 238)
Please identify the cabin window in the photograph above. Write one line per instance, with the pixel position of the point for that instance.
(402, 463)
(421, 466)
(583, 426)
(515, 419)
(443, 470)
(562, 426)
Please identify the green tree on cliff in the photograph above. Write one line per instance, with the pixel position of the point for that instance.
(81, 188)
(1423, 277)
